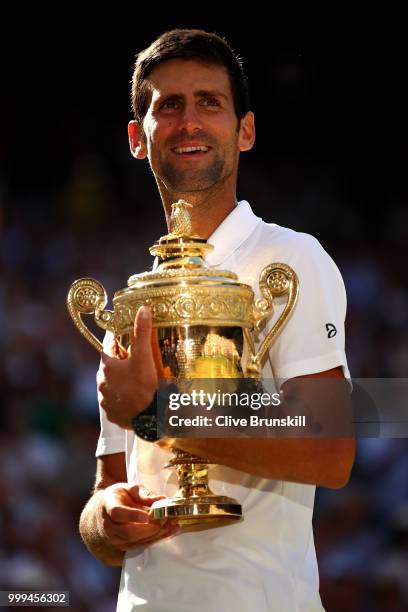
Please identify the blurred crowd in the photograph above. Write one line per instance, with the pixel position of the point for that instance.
(49, 418)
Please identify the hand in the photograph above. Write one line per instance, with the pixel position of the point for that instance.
(127, 382)
(126, 522)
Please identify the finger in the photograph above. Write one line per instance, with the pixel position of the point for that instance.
(133, 532)
(126, 543)
(169, 529)
(130, 531)
(151, 499)
(141, 334)
(161, 535)
(120, 350)
(140, 494)
(165, 532)
(124, 514)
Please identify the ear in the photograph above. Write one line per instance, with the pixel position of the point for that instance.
(136, 140)
(246, 137)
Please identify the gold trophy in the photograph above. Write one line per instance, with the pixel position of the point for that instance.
(201, 318)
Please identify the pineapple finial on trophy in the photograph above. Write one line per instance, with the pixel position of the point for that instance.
(180, 219)
(180, 244)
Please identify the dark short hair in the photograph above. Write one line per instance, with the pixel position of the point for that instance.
(189, 44)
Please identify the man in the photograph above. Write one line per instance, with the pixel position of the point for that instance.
(192, 121)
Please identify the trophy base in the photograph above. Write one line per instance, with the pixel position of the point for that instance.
(197, 509)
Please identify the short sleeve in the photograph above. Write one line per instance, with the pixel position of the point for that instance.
(112, 438)
(313, 339)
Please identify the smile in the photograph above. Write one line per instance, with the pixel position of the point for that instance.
(197, 151)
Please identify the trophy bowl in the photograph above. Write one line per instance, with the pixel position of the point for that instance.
(202, 318)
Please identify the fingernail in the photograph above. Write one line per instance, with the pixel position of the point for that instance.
(144, 312)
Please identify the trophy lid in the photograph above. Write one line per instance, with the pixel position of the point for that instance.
(183, 289)
(181, 254)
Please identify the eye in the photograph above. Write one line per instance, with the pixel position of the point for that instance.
(171, 103)
(210, 101)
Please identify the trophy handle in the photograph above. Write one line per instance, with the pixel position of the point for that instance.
(87, 296)
(276, 280)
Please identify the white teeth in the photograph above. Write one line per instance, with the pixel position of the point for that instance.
(190, 149)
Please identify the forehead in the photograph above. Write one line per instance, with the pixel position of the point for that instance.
(187, 76)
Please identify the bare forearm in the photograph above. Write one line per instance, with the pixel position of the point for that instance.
(324, 462)
(92, 532)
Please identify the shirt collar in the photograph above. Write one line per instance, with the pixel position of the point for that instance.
(232, 232)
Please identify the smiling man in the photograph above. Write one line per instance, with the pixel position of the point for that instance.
(199, 159)
(192, 120)
(192, 126)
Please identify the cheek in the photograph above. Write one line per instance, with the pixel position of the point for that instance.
(150, 127)
(226, 131)
(157, 132)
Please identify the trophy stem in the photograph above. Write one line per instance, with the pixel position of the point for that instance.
(194, 501)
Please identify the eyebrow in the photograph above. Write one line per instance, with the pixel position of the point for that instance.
(197, 94)
(209, 92)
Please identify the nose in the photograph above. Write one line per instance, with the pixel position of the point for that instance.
(190, 119)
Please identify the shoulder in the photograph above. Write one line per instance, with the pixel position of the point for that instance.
(289, 244)
(301, 251)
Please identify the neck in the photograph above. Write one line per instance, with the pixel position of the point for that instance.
(210, 206)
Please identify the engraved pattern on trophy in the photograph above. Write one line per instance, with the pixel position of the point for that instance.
(144, 277)
(173, 305)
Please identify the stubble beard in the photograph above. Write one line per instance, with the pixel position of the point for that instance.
(190, 180)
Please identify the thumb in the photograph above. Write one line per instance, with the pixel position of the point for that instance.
(141, 495)
(141, 333)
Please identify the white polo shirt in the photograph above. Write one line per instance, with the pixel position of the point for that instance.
(267, 562)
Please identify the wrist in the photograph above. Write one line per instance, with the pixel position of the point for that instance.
(145, 423)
